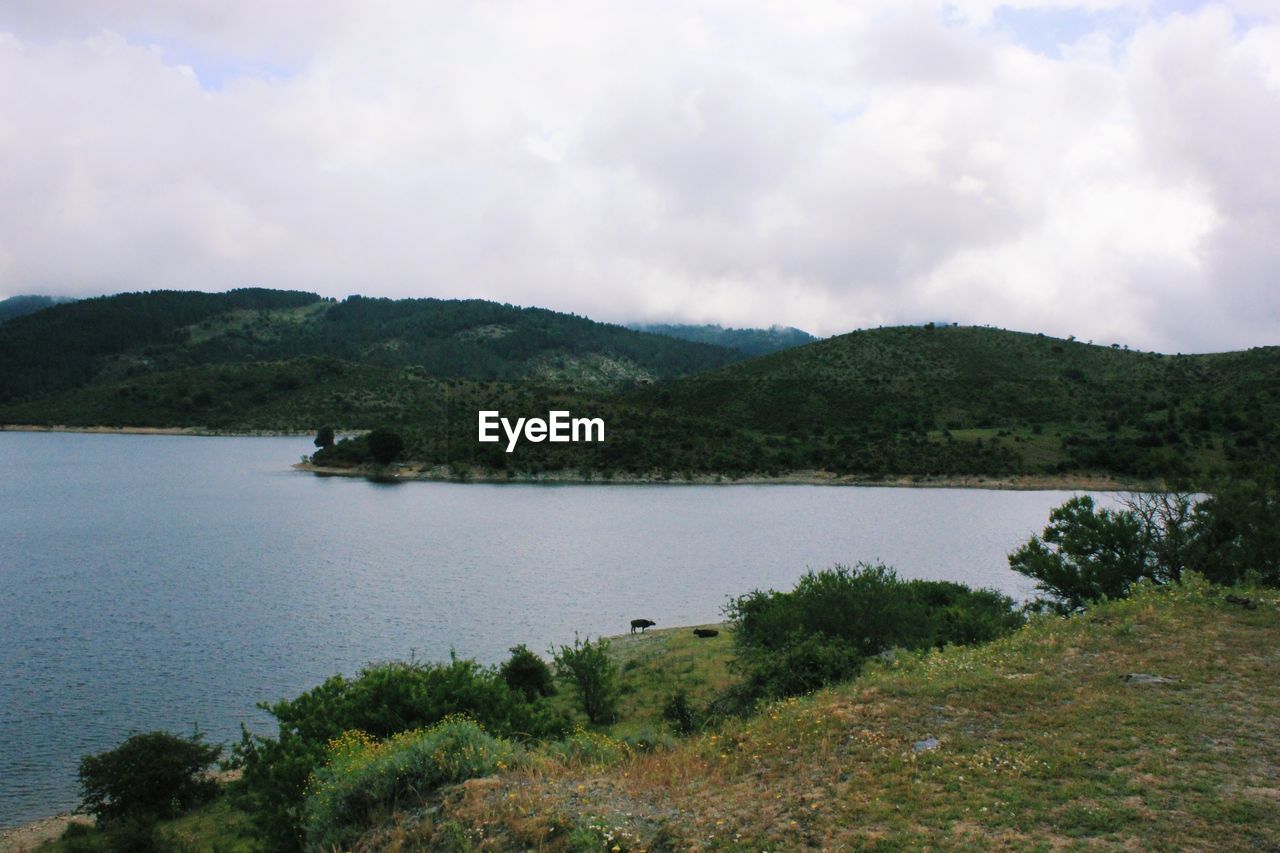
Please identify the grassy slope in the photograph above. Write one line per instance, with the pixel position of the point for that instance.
(1042, 744)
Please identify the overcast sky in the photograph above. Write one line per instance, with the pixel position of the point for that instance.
(1103, 169)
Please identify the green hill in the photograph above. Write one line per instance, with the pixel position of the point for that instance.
(140, 337)
(871, 400)
(920, 402)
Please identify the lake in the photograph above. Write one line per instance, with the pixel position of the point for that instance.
(160, 582)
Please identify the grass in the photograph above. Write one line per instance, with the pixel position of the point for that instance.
(1042, 744)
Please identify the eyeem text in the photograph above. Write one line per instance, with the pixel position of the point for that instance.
(558, 426)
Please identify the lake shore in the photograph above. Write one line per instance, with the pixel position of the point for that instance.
(410, 472)
(130, 430)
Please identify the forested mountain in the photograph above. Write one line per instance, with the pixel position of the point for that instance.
(138, 335)
(749, 341)
(18, 306)
(916, 401)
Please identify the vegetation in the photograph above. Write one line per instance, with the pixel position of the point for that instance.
(20, 306)
(527, 673)
(1088, 554)
(382, 701)
(790, 643)
(363, 780)
(919, 402)
(748, 341)
(592, 673)
(1033, 740)
(149, 776)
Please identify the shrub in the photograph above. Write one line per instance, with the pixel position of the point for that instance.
(149, 776)
(593, 675)
(526, 672)
(363, 780)
(680, 713)
(383, 700)
(590, 749)
(820, 632)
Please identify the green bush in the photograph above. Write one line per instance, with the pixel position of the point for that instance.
(383, 700)
(149, 776)
(821, 632)
(364, 780)
(591, 671)
(681, 714)
(526, 672)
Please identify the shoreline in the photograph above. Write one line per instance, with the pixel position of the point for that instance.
(419, 472)
(131, 430)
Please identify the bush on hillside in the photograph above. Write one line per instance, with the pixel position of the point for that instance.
(364, 780)
(526, 672)
(383, 700)
(823, 630)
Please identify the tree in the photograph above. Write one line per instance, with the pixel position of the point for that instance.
(526, 672)
(149, 776)
(385, 446)
(324, 437)
(593, 675)
(1236, 530)
(1085, 554)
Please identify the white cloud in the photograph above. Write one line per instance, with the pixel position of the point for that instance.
(829, 165)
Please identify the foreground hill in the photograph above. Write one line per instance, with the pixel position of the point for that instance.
(1053, 737)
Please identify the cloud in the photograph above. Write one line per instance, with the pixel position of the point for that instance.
(1100, 169)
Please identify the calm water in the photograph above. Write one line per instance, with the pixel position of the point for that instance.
(154, 582)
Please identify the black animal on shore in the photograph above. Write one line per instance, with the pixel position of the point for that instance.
(705, 632)
(641, 624)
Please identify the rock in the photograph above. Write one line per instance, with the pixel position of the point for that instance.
(1145, 678)
(925, 745)
(705, 632)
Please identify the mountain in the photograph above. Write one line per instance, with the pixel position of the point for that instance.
(748, 341)
(140, 336)
(18, 306)
(931, 401)
(892, 399)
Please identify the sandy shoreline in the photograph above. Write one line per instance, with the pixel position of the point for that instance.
(29, 836)
(410, 472)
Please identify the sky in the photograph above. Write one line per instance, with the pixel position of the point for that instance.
(1104, 168)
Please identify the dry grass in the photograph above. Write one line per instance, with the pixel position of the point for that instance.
(1042, 744)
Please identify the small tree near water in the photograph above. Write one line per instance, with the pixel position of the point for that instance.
(149, 776)
(593, 674)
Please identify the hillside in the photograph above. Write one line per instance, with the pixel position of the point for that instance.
(143, 336)
(920, 402)
(20, 306)
(879, 399)
(1040, 739)
(747, 341)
